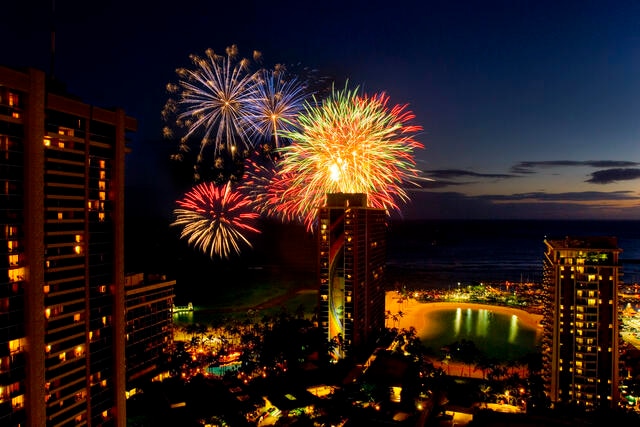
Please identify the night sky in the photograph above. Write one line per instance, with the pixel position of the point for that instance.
(529, 108)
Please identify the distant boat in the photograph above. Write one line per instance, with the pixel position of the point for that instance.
(182, 308)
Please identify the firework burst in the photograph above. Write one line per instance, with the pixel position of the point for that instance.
(350, 143)
(211, 102)
(214, 219)
(265, 185)
(278, 99)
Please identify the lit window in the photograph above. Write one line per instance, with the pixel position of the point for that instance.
(17, 402)
(47, 312)
(101, 216)
(76, 317)
(46, 289)
(59, 215)
(103, 164)
(17, 345)
(78, 249)
(62, 356)
(102, 195)
(65, 131)
(47, 141)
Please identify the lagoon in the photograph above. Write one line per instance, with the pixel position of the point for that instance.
(498, 335)
(500, 332)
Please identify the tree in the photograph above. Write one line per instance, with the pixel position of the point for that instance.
(485, 389)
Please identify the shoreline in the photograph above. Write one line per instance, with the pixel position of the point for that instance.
(415, 313)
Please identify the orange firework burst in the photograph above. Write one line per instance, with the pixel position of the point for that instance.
(213, 219)
(350, 143)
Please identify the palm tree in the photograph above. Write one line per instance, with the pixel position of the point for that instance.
(485, 389)
(400, 314)
(496, 373)
(299, 312)
(483, 364)
(387, 316)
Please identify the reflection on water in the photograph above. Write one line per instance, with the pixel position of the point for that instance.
(483, 323)
(498, 335)
(513, 329)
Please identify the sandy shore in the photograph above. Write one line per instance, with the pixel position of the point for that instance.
(416, 313)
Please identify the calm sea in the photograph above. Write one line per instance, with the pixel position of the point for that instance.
(443, 253)
(434, 253)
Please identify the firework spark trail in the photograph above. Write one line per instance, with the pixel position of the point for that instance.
(214, 219)
(350, 144)
(265, 185)
(276, 103)
(212, 100)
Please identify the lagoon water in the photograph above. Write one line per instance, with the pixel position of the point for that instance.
(500, 336)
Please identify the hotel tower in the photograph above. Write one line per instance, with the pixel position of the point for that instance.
(352, 250)
(581, 277)
(62, 293)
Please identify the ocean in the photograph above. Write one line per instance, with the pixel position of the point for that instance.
(443, 253)
(428, 253)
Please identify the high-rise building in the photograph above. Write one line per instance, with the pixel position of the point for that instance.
(149, 331)
(580, 346)
(351, 251)
(62, 318)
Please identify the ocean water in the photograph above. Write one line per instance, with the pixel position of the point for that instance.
(420, 254)
(443, 253)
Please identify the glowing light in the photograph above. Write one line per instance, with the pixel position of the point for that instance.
(213, 219)
(349, 143)
(278, 99)
(513, 328)
(265, 185)
(212, 101)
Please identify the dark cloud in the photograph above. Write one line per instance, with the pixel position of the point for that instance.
(528, 167)
(608, 176)
(578, 196)
(459, 173)
(435, 184)
(537, 205)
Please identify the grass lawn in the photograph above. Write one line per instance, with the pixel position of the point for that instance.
(267, 292)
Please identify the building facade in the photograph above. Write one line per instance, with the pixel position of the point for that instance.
(580, 347)
(351, 252)
(149, 330)
(62, 353)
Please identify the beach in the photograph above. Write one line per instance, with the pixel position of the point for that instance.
(416, 314)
